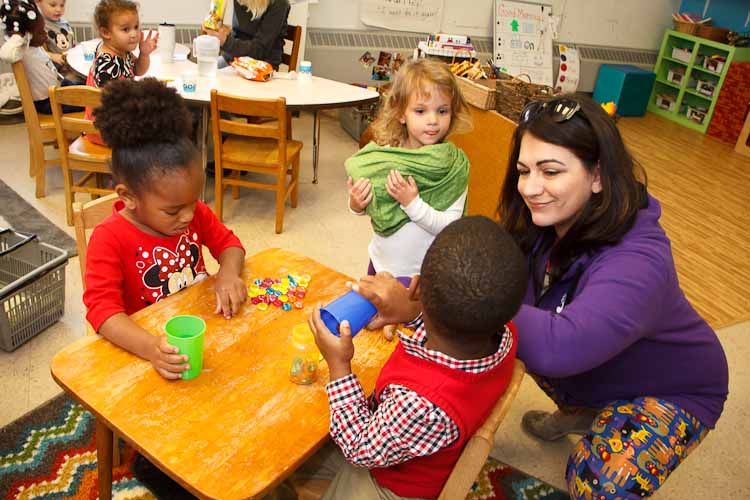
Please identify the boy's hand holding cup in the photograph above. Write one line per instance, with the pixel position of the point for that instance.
(338, 351)
(167, 360)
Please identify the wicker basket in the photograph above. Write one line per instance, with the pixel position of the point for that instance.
(683, 27)
(479, 93)
(713, 33)
(513, 94)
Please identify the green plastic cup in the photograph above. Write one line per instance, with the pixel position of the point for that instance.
(186, 333)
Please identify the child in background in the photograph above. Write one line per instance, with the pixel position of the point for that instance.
(410, 182)
(440, 384)
(24, 27)
(60, 36)
(119, 29)
(151, 245)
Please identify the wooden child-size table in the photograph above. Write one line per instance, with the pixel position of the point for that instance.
(239, 428)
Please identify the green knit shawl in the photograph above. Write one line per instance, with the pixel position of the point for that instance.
(441, 172)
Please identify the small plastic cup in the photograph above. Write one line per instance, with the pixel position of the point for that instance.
(186, 333)
(189, 82)
(89, 51)
(303, 355)
(351, 306)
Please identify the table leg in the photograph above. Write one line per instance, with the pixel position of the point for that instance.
(316, 144)
(104, 459)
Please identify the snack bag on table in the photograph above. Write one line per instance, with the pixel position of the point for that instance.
(252, 69)
(215, 17)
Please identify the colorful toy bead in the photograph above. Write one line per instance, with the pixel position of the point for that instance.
(287, 307)
(262, 306)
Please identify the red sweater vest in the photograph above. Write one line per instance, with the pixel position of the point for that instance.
(467, 398)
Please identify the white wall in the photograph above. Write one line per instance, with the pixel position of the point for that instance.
(621, 23)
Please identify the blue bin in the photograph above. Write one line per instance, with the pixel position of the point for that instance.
(627, 86)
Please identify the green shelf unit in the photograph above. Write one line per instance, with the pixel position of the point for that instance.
(685, 93)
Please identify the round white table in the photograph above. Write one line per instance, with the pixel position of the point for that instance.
(313, 95)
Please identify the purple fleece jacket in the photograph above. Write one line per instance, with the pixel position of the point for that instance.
(628, 332)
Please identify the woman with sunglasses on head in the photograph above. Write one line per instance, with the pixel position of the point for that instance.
(606, 330)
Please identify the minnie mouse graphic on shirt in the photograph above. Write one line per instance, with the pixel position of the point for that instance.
(173, 270)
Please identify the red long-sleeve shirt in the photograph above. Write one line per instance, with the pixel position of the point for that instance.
(127, 269)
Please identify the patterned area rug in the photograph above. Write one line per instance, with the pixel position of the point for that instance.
(50, 453)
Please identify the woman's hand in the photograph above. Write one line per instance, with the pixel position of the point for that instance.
(337, 351)
(395, 304)
(148, 42)
(222, 33)
(231, 293)
(402, 190)
(166, 359)
(360, 194)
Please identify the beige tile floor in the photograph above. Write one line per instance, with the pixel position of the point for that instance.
(322, 228)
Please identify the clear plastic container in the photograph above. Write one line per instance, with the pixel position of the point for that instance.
(303, 355)
(206, 50)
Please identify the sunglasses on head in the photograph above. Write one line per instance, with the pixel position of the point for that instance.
(561, 110)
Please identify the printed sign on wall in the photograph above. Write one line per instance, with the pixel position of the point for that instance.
(403, 15)
(523, 40)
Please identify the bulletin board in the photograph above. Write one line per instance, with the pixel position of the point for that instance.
(523, 39)
(403, 15)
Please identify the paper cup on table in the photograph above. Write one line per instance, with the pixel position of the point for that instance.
(186, 333)
(166, 42)
(351, 306)
(189, 82)
(89, 51)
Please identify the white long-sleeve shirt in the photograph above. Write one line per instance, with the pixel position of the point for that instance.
(401, 253)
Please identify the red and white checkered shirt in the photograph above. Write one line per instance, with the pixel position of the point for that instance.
(405, 425)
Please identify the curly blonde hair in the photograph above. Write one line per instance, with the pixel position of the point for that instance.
(421, 76)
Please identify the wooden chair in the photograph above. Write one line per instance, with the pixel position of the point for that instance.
(472, 458)
(41, 131)
(79, 155)
(86, 216)
(476, 451)
(294, 35)
(249, 147)
(742, 146)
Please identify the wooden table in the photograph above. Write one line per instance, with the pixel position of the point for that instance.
(240, 427)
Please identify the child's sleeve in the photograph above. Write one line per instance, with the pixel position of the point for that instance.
(105, 281)
(431, 220)
(215, 235)
(403, 426)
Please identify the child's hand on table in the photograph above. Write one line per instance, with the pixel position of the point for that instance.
(360, 194)
(337, 351)
(402, 190)
(231, 293)
(166, 359)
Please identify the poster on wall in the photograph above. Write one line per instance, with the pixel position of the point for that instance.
(523, 40)
(402, 15)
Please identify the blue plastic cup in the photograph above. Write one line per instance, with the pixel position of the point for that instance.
(351, 306)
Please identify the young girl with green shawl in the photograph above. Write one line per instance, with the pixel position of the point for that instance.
(410, 182)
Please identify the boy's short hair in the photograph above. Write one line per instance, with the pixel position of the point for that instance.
(473, 278)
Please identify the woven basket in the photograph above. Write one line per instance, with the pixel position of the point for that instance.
(479, 93)
(683, 27)
(713, 33)
(513, 94)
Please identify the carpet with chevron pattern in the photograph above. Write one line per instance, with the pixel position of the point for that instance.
(50, 453)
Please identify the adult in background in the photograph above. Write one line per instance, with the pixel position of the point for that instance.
(258, 30)
(605, 329)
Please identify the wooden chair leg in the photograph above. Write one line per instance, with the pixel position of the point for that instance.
(32, 160)
(280, 199)
(69, 195)
(41, 174)
(295, 181)
(219, 194)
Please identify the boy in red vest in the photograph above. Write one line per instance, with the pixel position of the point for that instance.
(439, 385)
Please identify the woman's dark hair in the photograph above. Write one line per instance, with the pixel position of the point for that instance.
(19, 16)
(592, 136)
(105, 9)
(148, 127)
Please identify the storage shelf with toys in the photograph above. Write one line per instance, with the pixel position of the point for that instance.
(689, 73)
